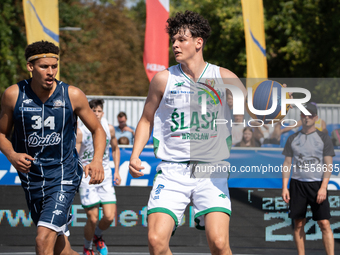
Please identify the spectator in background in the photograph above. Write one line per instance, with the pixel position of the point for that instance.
(123, 140)
(230, 103)
(320, 124)
(124, 130)
(267, 133)
(237, 130)
(248, 139)
(336, 137)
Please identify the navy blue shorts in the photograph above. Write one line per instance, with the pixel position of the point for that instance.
(53, 210)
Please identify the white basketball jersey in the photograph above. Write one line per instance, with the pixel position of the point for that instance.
(86, 150)
(181, 131)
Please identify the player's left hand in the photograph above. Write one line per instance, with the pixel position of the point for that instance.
(322, 194)
(96, 171)
(116, 178)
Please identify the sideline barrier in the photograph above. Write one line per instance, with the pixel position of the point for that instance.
(259, 219)
(249, 168)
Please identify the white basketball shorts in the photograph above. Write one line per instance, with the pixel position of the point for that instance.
(174, 187)
(99, 194)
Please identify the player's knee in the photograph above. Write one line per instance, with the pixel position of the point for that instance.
(324, 225)
(109, 217)
(220, 244)
(92, 219)
(156, 241)
(41, 240)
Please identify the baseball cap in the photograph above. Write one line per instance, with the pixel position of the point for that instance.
(311, 107)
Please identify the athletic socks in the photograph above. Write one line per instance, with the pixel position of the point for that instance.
(98, 232)
(88, 244)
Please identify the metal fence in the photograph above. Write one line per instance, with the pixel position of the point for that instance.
(133, 107)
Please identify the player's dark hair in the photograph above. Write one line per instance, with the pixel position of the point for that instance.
(40, 48)
(94, 103)
(121, 114)
(197, 25)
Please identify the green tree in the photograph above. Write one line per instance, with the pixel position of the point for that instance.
(12, 43)
(106, 56)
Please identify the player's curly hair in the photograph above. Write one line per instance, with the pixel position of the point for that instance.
(94, 103)
(40, 48)
(197, 25)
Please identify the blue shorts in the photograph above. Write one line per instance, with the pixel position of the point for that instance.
(53, 209)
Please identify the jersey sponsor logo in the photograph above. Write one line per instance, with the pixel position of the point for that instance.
(198, 122)
(52, 139)
(61, 197)
(178, 84)
(67, 182)
(223, 195)
(30, 109)
(196, 136)
(210, 82)
(177, 92)
(159, 189)
(303, 162)
(58, 103)
(27, 101)
(57, 212)
(214, 95)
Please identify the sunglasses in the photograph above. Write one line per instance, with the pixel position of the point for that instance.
(310, 116)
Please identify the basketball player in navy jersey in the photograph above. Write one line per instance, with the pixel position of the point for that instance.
(44, 114)
(184, 136)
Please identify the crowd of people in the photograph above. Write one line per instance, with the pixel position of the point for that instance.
(275, 134)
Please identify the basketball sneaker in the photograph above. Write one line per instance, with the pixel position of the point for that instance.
(88, 252)
(100, 245)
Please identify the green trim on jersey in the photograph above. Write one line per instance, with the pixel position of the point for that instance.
(213, 209)
(154, 179)
(191, 81)
(155, 145)
(166, 211)
(229, 142)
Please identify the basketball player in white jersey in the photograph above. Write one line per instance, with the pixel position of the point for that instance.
(103, 194)
(187, 140)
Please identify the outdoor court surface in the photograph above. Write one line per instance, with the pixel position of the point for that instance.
(124, 250)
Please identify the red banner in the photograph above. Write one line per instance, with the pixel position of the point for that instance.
(156, 46)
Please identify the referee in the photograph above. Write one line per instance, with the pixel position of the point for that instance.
(312, 152)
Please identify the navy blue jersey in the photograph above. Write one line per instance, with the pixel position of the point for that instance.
(47, 132)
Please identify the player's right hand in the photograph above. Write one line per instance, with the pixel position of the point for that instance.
(135, 167)
(96, 171)
(285, 195)
(22, 162)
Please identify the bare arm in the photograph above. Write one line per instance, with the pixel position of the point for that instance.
(82, 109)
(21, 161)
(79, 139)
(322, 193)
(115, 155)
(285, 178)
(145, 124)
(231, 78)
(286, 129)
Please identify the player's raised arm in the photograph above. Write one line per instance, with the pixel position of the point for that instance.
(145, 124)
(20, 161)
(82, 109)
